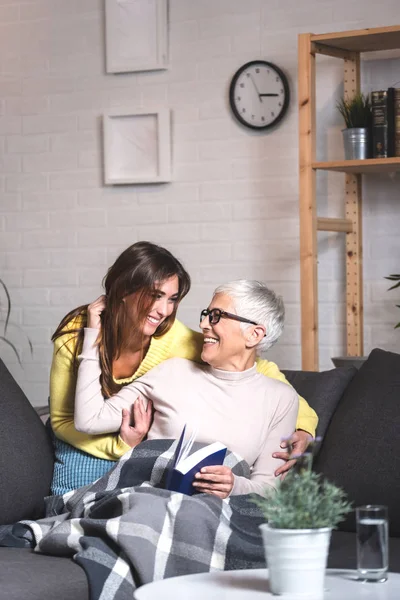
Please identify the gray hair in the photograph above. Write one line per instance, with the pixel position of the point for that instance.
(254, 301)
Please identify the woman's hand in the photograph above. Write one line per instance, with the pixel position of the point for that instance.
(217, 480)
(142, 418)
(298, 442)
(94, 312)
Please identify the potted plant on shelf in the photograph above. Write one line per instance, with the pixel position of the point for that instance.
(300, 516)
(396, 285)
(357, 115)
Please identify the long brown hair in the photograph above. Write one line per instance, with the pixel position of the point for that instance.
(137, 270)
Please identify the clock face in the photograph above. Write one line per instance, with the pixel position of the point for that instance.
(259, 94)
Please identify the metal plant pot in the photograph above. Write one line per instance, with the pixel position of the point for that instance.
(356, 143)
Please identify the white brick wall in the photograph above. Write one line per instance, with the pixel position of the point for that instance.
(232, 209)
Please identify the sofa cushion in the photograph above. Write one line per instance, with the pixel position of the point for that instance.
(24, 574)
(343, 552)
(361, 451)
(321, 390)
(26, 454)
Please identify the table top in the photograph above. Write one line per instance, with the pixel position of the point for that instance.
(252, 584)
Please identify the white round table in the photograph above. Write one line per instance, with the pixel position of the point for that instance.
(252, 584)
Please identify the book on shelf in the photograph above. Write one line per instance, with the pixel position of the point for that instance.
(184, 465)
(397, 122)
(383, 123)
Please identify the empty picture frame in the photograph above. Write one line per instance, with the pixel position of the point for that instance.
(136, 35)
(137, 147)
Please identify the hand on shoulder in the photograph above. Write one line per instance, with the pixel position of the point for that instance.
(94, 312)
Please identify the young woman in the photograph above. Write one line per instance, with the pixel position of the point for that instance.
(138, 331)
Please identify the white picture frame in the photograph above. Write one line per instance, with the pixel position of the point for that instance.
(137, 147)
(136, 35)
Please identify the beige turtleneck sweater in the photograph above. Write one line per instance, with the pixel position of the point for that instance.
(246, 411)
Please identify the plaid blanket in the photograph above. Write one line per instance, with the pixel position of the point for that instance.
(125, 530)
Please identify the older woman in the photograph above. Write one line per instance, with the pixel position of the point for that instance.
(225, 400)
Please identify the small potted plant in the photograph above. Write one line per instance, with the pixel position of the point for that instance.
(300, 516)
(357, 115)
(396, 285)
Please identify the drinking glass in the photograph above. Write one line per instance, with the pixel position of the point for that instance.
(372, 542)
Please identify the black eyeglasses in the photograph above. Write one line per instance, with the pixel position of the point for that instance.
(214, 315)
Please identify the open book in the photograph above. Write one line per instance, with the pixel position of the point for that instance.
(185, 465)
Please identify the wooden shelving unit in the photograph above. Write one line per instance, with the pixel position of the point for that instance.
(347, 46)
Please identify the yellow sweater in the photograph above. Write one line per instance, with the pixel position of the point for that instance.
(179, 341)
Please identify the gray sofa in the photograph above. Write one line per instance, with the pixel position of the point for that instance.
(359, 421)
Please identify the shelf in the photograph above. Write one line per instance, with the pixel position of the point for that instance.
(370, 165)
(362, 40)
(347, 46)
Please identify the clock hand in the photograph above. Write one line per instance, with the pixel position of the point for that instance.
(254, 83)
(269, 95)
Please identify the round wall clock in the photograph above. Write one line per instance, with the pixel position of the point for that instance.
(259, 94)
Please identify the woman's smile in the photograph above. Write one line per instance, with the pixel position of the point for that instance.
(210, 340)
(153, 320)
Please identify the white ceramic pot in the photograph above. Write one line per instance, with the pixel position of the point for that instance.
(296, 560)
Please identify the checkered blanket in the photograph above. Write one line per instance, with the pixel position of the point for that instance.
(125, 530)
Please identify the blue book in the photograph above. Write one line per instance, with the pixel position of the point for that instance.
(185, 465)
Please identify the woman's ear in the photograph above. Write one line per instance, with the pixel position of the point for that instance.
(254, 335)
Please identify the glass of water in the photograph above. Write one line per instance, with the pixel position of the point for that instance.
(372, 542)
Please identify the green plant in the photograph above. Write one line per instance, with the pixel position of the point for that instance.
(356, 112)
(304, 500)
(6, 321)
(396, 285)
